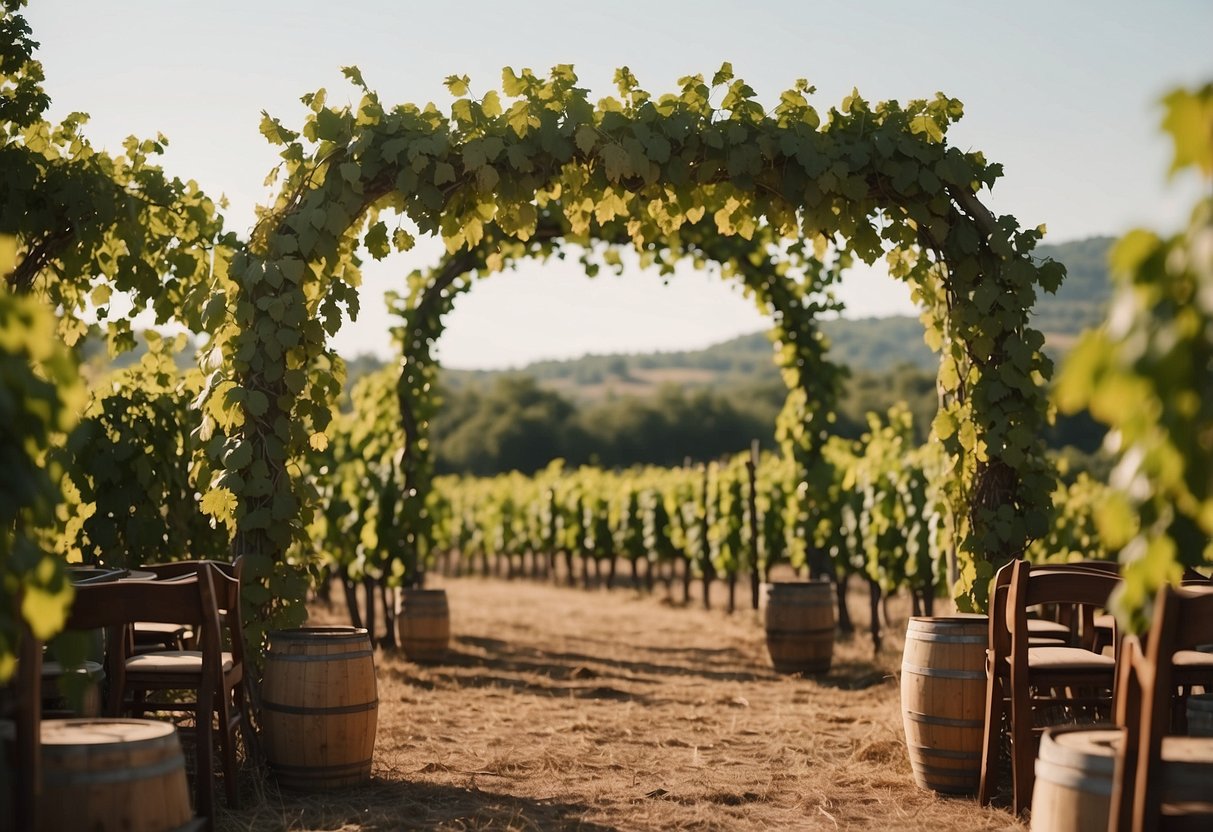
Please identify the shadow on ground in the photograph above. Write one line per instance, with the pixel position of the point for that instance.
(389, 804)
(502, 655)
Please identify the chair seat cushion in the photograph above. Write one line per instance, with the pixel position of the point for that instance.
(1193, 659)
(1068, 658)
(155, 628)
(172, 661)
(1043, 626)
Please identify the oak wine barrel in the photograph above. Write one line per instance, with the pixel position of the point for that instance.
(799, 623)
(423, 623)
(319, 706)
(943, 692)
(112, 774)
(1074, 772)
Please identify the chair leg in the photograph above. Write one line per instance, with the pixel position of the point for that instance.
(227, 737)
(991, 737)
(27, 779)
(252, 751)
(1023, 756)
(205, 785)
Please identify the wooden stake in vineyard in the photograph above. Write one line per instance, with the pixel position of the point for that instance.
(756, 575)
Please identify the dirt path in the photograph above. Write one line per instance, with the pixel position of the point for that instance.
(566, 709)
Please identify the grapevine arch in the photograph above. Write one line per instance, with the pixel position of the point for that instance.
(769, 195)
(788, 283)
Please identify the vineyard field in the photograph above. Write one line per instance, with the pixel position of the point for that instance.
(559, 709)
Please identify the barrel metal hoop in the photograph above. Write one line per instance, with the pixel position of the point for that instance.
(928, 635)
(126, 774)
(932, 719)
(945, 753)
(961, 775)
(320, 711)
(316, 657)
(1087, 782)
(799, 633)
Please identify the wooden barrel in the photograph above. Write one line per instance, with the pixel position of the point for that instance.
(799, 622)
(119, 774)
(424, 624)
(1200, 715)
(943, 700)
(319, 706)
(1074, 773)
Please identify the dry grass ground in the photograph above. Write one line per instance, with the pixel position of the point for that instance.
(566, 709)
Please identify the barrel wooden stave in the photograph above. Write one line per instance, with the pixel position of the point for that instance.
(943, 684)
(112, 774)
(1074, 772)
(424, 624)
(799, 623)
(320, 707)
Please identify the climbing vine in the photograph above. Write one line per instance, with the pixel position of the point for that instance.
(134, 466)
(39, 397)
(78, 226)
(88, 224)
(781, 199)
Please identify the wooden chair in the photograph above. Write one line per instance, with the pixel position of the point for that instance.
(1093, 631)
(1104, 623)
(1043, 632)
(1183, 618)
(1023, 670)
(149, 636)
(161, 670)
(187, 601)
(26, 715)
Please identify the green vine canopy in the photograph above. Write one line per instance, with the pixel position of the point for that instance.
(781, 199)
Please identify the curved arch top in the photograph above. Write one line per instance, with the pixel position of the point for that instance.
(780, 198)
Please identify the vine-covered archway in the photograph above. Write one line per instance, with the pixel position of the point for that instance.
(787, 282)
(772, 196)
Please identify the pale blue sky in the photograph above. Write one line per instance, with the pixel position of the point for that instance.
(1064, 94)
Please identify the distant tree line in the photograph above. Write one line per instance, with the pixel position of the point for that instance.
(519, 425)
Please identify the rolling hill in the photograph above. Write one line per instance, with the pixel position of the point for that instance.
(865, 344)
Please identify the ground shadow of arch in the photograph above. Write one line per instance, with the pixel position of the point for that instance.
(581, 675)
(563, 664)
(439, 678)
(384, 804)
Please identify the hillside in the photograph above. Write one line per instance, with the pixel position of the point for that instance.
(875, 345)
(865, 344)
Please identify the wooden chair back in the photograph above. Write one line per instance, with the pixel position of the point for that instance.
(1183, 619)
(1085, 590)
(225, 578)
(185, 601)
(1000, 591)
(189, 600)
(182, 568)
(1050, 670)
